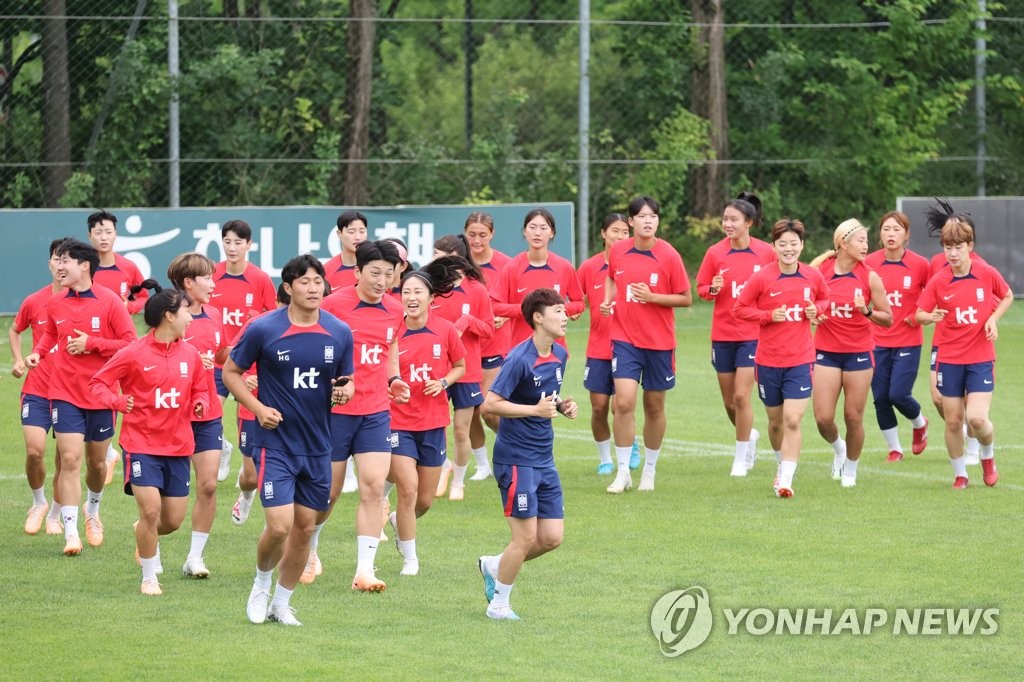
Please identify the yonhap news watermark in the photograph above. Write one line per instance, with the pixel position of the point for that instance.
(682, 620)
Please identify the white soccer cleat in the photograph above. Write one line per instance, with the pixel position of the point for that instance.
(240, 512)
(623, 482)
(646, 481)
(972, 459)
(501, 613)
(285, 615)
(224, 468)
(481, 474)
(351, 483)
(151, 588)
(195, 567)
(259, 603)
(848, 481)
(410, 567)
(739, 468)
(838, 461)
(752, 448)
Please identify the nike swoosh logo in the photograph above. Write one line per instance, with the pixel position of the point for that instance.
(146, 369)
(773, 294)
(596, 286)
(521, 290)
(946, 298)
(189, 338)
(282, 353)
(403, 352)
(750, 357)
(434, 307)
(215, 295)
(723, 271)
(805, 388)
(862, 359)
(41, 322)
(474, 394)
(106, 429)
(670, 378)
(619, 272)
(987, 382)
(903, 355)
(58, 321)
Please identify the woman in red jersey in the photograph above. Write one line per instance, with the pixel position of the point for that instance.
(844, 345)
(966, 301)
(784, 298)
(163, 384)
(723, 273)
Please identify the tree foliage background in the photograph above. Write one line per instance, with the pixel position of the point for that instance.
(829, 109)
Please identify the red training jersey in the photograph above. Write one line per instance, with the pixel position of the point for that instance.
(519, 278)
(843, 328)
(206, 335)
(339, 275)
(469, 309)
(32, 314)
(904, 280)
(120, 278)
(735, 266)
(374, 328)
(646, 325)
(787, 343)
(424, 354)
(937, 263)
(167, 381)
(101, 314)
(592, 275)
(240, 297)
(970, 301)
(499, 343)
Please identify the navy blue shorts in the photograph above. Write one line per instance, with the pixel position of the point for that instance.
(35, 411)
(356, 434)
(96, 425)
(169, 475)
(728, 356)
(848, 362)
(492, 361)
(528, 492)
(246, 431)
(654, 369)
(777, 384)
(285, 479)
(956, 381)
(465, 395)
(218, 378)
(933, 358)
(597, 376)
(428, 448)
(208, 435)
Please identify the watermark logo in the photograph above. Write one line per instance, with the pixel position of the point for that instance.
(681, 620)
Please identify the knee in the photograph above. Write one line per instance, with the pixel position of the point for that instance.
(149, 517)
(740, 402)
(823, 422)
(207, 489)
(853, 417)
(977, 423)
(407, 497)
(423, 505)
(461, 431)
(277, 530)
(550, 542)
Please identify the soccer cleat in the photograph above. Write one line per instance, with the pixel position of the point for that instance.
(367, 582)
(73, 546)
(240, 512)
(971, 459)
(385, 512)
(989, 471)
(837, 466)
(151, 588)
(457, 493)
(35, 517)
(605, 468)
(224, 468)
(53, 526)
(312, 570)
(393, 520)
(481, 474)
(195, 567)
(350, 485)
(959, 483)
(501, 613)
(489, 579)
(894, 456)
(847, 481)
(623, 482)
(783, 492)
(110, 465)
(93, 530)
(410, 567)
(258, 605)
(752, 448)
(634, 456)
(920, 439)
(739, 468)
(442, 483)
(646, 481)
(285, 615)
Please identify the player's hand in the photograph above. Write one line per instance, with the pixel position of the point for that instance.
(129, 404)
(859, 303)
(198, 410)
(32, 360)
(991, 330)
(607, 308)
(207, 359)
(576, 316)
(268, 417)
(938, 314)
(342, 391)
(717, 283)
(499, 321)
(432, 387)
(252, 382)
(19, 369)
(568, 407)
(76, 345)
(910, 321)
(400, 391)
(779, 314)
(811, 311)
(641, 292)
(547, 408)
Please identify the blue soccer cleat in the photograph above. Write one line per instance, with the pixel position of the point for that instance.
(605, 469)
(488, 579)
(634, 457)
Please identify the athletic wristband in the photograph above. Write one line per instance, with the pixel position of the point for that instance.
(444, 383)
(394, 379)
(868, 312)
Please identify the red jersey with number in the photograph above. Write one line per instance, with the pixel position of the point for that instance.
(120, 278)
(339, 275)
(904, 280)
(469, 309)
(843, 328)
(735, 266)
(646, 325)
(592, 275)
(425, 354)
(239, 297)
(787, 343)
(101, 314)
(970, 301)
(519, 277)
(374, 328)
(32, 315)
(498, 344)
(167, 381)
(206, 335)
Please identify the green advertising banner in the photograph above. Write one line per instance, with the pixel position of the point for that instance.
(151, 237)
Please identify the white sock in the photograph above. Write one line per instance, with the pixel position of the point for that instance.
(92, 504)
(501, 594)
(111, 453)
(388, 487)
(988, 451)
(70, 516)
(622, 457)
(740, 455)
(158, 553)
(149, 567)
(263, 578)
(366, 553)
(604, 450)
(959, 466)
(282, 595)
(350, 471)
(314, 540)
(839, 447)
(198, 544)
(249, 494)
(787, 470)
(226, 447)
(54, 512)
(918, 421)
(973, 446)
(481, 458)
(778, 455)
(651, 459)
(850, 468)
(38, 497)
(407, 548)
(459, 474)
(892, 439)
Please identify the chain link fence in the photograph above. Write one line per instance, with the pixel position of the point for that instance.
(825, 109)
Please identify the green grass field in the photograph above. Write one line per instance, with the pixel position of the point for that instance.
(901, 538)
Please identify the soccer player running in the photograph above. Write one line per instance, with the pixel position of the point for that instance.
(242, 291)
(361, 429)
(341, 269)
(597, 374)
(723, 273)
(966, 301)
(88, 324)
(35, 402)
(646, 282)
(193, 274)
(163, 385)
(303, 358)
(468, 307)
(525, 396)
(844, 342)
(784, 298)
(431, 359)
(898, 348)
